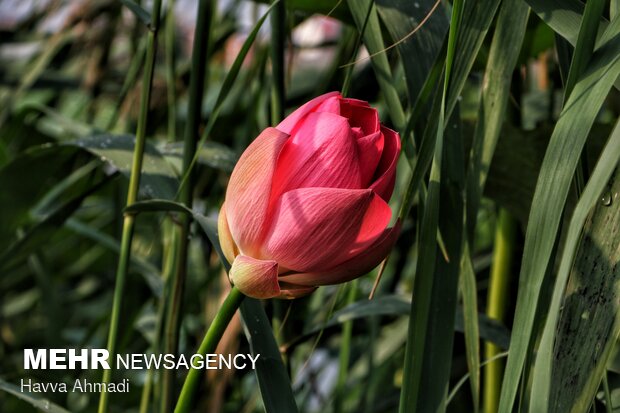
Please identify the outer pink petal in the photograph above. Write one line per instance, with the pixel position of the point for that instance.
(321, 153)
(249, 189)
(226, 241)
(364, 117)
(357, 266)
(386, 171)
(289, 123)
(318, 228)
(370, 149)
(255, 278)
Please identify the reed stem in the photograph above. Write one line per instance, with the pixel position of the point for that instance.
(191, 136)
(132, 195)
(497, 303)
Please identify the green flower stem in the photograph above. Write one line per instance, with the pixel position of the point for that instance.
(132, 195)
(209, 343)
(191, 136)
(497, 303)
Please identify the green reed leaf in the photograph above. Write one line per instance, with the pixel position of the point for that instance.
(553, 185)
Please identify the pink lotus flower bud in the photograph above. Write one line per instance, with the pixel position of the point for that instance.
(307, 202)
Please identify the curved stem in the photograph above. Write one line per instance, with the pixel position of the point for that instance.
(209, 343)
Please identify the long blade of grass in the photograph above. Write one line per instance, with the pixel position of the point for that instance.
(556, 173)
(505, 48)
(585, 43)
(542, 372)
(426, 374)
(469, 294)
(581, 56)
(477, 18)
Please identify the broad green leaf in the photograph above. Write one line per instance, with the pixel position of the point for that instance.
(211, 154)
(566, 377)
(158, 179)
(563, 16)
(397, 305)
(585, 43)
(589, 325)
(552, 189)
(39, 402)
(581, 56)
(469, 294)
(273, 379)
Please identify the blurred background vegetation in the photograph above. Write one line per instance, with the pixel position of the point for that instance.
(504, 112)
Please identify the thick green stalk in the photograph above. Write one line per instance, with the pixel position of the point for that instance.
(208, 345)
(415, 394)
(191, 135)
(170, 75)
(497, 303)
(132, 195)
